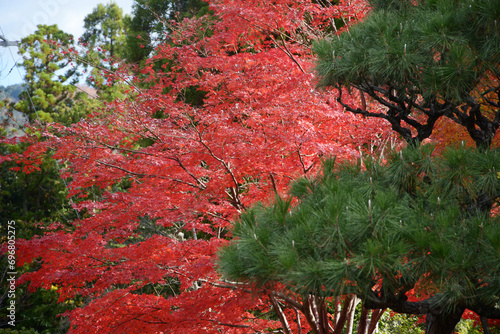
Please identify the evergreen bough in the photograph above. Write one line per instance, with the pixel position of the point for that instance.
(418, 226)
(421, 60)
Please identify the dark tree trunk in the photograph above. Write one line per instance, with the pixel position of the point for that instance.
(376, 315)
(442, 323)
(486, 326)
(363, 320)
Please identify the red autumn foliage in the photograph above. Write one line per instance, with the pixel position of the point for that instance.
(158, 178)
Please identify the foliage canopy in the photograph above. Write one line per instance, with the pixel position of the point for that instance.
(416, 226)
(220, 113)
(422, 60)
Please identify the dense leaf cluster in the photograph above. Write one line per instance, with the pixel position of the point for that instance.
(219, 115)
(220, 112)
(416, 226)
(428, 58)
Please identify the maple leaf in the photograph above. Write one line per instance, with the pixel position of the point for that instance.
(159, 174)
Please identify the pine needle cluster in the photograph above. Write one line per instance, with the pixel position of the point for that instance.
(434, 58)
(419, 226)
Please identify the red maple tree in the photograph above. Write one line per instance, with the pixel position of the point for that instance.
(159, 176)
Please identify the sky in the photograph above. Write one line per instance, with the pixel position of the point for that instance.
(19, 18)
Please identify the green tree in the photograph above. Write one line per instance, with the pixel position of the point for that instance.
(105, 29)
(50, 74)
(50, 89)
(33, 198)
(29, 195)
(421, 60)
(35, 192)
(104, 41)
(414, 235)
(150, 23)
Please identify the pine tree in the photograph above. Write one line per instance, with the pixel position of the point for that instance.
(50, 75)
(414, 235)
(421, 60)
(105, 29)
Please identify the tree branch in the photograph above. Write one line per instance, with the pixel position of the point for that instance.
(287, 52)
(281, 315)
(488, 312)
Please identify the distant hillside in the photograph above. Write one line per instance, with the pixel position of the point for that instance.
(11, 92)
(12, 123)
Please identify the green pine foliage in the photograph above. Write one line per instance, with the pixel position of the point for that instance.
(438, 46)
(105, 29)
(419, 222)
(49, 77)
(421, 60)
